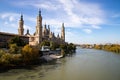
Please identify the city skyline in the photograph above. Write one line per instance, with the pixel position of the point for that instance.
(86, 21)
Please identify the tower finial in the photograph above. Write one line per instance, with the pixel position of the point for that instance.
(28, 31)
(39, 12)
(49, 27)
(58, 35)
(63, 24)
(45, 25)
(21, 18)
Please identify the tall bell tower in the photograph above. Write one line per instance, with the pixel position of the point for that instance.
(39, 28)
(20, 28)
(63, 32)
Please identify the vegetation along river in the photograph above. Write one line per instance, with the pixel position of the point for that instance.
(86, 64)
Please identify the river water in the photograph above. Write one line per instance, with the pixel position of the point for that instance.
(86, 64)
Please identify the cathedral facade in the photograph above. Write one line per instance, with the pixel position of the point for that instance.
(41, 33)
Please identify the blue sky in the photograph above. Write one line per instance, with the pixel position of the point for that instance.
(86, 21)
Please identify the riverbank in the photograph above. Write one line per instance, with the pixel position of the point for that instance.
(109, 47)
(39, 62)
(46, 59)
(86, 64)
(16, 57)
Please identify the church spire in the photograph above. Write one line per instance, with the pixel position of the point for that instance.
(20, 28)
(39, 27)
(21, 18)
(39, 12)
(58, 36)
(28, 31)
(63, 32)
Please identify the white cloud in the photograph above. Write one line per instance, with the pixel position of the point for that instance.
(73, 36)
(27, 27)
(10, 16)
(13, 25)
(83, 13)
(5, 23)
(74, 12)
(53, 22)
(10, 25)
(44, 4)
(95, 27)
(11, 19)
(87, 31)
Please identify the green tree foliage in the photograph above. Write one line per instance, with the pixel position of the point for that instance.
(67, 48)
(53, 45)
(2, 52)
(16, 59)
(71, 47)
(45, 43)
(29, 54)
(14, 49)
(7, 59)
(63, 46)
(16, 40)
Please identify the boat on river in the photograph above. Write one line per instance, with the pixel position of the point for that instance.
(56, 56)
(51, 57)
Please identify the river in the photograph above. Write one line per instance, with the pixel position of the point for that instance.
(86, 64)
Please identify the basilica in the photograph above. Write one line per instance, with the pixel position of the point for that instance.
(42, 32)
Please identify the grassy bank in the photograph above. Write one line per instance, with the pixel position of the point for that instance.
(109, 47)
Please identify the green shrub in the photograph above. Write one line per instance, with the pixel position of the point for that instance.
(2, 52)
(16, 59)
(110, 47)
(29, 54)
(13, 49)
(6, 59)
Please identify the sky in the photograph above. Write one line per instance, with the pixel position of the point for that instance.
(86, 21)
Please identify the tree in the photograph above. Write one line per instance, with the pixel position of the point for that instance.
(54, 45)
(6, 59)
(45, 43)
(29, 54)
(71, 47)
(13, 49)
(63, 46)
(2, 52)
(16, 40)
(68, 48)
(109, 47)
